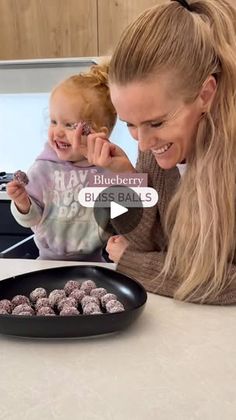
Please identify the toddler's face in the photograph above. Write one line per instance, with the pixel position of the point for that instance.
(66, 110)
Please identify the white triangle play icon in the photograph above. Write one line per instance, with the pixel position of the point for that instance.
(116, 210)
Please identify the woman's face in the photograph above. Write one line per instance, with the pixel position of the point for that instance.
(159, 122)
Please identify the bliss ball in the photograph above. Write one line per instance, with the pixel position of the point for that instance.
(25, 313)
(114, 306)
(89, 299)
(3, 311)
(55, 296)
(78, 295)
(69, 301)
(69, 310)
(106, 298)
(21, 177)
(45, 311)
(38, 293)
(24, 307)
(6, 305)
(98, 292)
(70, 286)
(87, 286)
(91, 309)
(42, 302)
(19, 300)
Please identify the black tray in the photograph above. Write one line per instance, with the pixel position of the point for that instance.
(129, 292)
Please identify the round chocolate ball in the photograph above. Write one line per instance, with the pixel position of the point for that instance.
(45, 311)
(91, 309)
(6, 305)
(98, 292)
(87, 286)
(3, 311)
(19, 300)
(24, 307)
(78, 295)
(25, 313)
(70, 286)
(89, 299)
(42, 302)
(106, 298)
(38, 293)
(21, 177)
(55, 296)
(69, 310)
(69, 301)
(114, 306)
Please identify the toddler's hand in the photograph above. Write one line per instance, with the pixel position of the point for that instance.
(18, 194)
(116, 246)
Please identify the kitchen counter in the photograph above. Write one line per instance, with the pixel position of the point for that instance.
(177, 361)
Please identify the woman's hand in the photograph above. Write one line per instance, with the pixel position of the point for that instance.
(116, 246)
(18, 194)
(101, 152)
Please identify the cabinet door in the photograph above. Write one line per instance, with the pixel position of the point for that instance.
(113, 17)
(47, 28)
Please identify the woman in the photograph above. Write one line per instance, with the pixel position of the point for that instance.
(173, 81)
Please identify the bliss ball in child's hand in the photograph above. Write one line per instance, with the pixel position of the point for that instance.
(106, 298)
(69, 310)
(45, 311)
(98, 292)
(6, 305)
(42, 302)
(87, 286)
(114, 306)
(70, 286)
(38, 293)
(19, 299)
(86, 129)
(55, 296)
(21, 177)
(69, 301)
(78, 295)
(91, 309)
(24, 307)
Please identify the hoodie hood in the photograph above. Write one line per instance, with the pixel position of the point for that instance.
(50, 155)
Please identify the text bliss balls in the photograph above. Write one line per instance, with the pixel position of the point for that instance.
(76, 298)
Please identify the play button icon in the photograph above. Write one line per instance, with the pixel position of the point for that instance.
(115, 205)
(116, 210)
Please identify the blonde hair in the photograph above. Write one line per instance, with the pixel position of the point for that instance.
(100, 111)
(201, 217)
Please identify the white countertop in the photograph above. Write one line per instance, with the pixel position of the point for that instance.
(177, 361)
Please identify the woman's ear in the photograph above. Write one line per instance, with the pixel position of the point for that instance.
(207, 93)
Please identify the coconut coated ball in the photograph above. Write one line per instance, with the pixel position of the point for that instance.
(114, 306)
(24, 307)
(45, 311)
(19, 300)
(106, 298)
(87, 286)
(70, 286)
(6, 305)
(55, 296)
(98, 292)
(38, 293)
(69, 310)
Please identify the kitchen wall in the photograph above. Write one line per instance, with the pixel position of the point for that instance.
(64, 28)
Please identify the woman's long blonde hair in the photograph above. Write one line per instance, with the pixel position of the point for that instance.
(201, 217)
